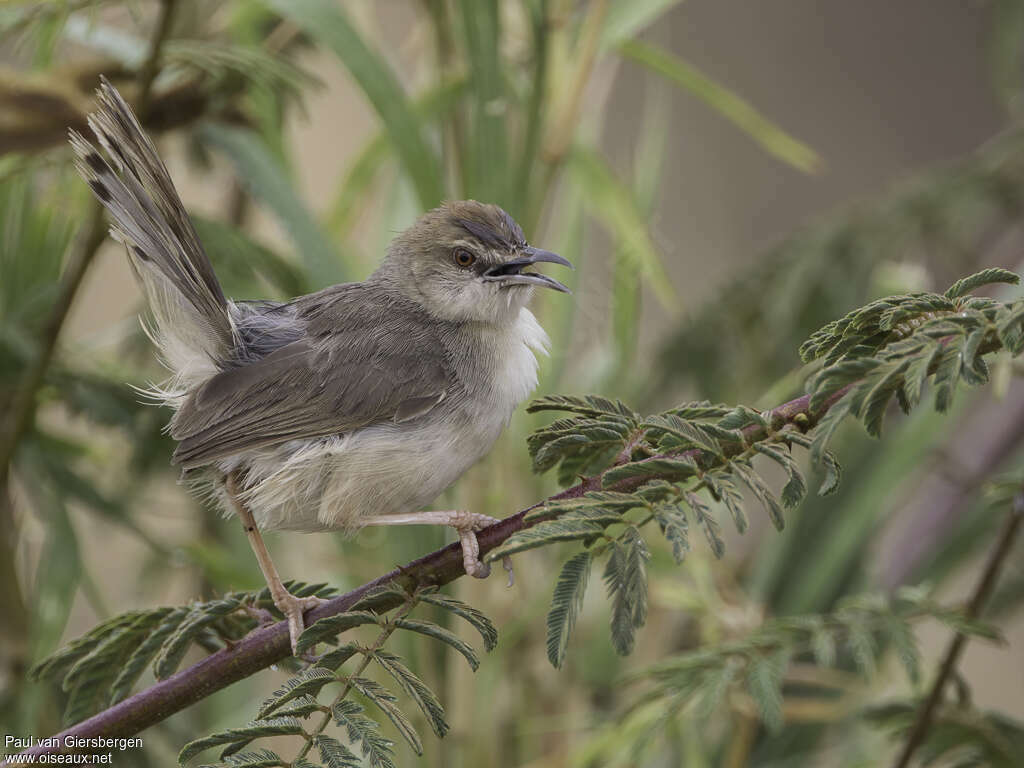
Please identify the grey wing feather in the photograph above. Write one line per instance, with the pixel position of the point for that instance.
(364, 358)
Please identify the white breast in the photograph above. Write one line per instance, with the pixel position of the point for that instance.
(514, 361)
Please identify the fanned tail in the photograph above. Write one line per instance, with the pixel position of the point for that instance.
(191, 322)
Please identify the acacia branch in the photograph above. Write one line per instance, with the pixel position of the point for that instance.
(270, 644)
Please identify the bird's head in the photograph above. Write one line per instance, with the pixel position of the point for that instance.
(468, 261)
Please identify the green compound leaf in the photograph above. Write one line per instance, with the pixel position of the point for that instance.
(385, 701)
(328, 628)
(833, 474)
(625, 577)
(437, 632)
(721, 486)
(416, 689)
(671, 519)
(306, 683)
(985, 277)
(376, 748)
(764, 683)
(566, 604)
(589, 405)
(479, 622)
(335, 754)
(561, 529)
(707, 522)
(754, 482)
(675, 470)
(332, 660)
(258, 758)
(283, 726)
(688, 432)
(795, 489)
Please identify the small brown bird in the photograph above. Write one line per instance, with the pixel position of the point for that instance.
(356, 405)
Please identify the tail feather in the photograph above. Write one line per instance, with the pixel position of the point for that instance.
(191, 321)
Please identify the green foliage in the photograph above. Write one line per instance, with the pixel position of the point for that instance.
(29, 225)
(881, 323)
(733, 108)
(961, 735)
(671, 519)
(584, 443)
(764, 683)
(666, 460)
(335, 754)
(670, 467)
(385, 702)
(986, 277)
(757, 663)
(487, 159)
(267, 180)
(237, 738)
(219, 59)
(616, 209)
(305, 685)
(260, 758)
(439, 633)
(625, 576)
(240, 261)
(329, 24)
(292, 708)
(415, 689)
(570, 527)
(889, 349)
(376, 748)
(329, 627)
(477, 620)
(566, 604)
(101, 667)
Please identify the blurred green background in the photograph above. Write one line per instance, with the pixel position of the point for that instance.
(726, 175)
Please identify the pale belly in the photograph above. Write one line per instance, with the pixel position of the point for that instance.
(338, 483)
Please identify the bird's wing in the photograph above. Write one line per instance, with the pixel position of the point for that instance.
(360, 362)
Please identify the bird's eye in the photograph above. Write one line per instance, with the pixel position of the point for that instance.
(463, 258)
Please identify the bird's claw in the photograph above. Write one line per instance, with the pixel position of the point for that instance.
(467, 524)
(294, 609)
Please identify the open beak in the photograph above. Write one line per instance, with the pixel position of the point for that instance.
(511, 272)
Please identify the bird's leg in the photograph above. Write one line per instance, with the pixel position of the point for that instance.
(466, 525)
(291, 606)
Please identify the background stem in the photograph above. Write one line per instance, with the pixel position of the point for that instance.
(926, 714)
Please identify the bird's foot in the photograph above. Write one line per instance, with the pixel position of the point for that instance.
(467, 524)
(293, 609)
